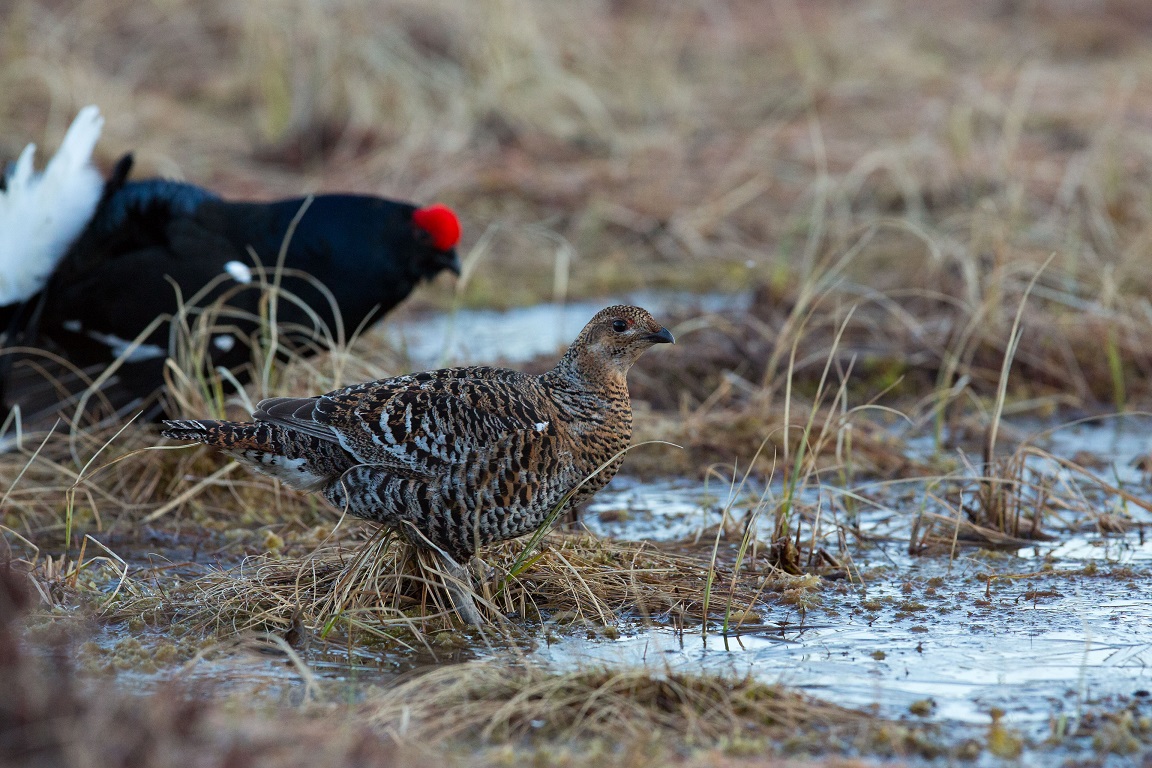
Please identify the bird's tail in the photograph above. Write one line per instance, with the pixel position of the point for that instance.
(221, 434)
(249, 441)
(42, 214)
(300, 461)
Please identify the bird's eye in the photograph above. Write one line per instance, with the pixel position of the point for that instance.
(619, 326)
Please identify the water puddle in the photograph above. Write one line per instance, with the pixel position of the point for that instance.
(475, 336)
(667, 510)
(1087, 639)
(1042, 632)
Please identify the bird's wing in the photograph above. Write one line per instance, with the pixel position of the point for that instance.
(427, 423)
(144, 248)
(144, 235)
(142, 207)
(295, 413)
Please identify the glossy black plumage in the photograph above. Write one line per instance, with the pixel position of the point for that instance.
(150, 242)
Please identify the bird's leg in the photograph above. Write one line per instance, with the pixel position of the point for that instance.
(488, 578)
(459, 581)
(459, 587)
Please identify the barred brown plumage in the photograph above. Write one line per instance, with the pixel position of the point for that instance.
(460, 457)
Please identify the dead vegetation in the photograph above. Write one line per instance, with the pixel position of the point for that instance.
(49, 719)
(1023, 498)
(484, 712)
(745, 145)
(940, 212)
(382, 591)
(494, 704)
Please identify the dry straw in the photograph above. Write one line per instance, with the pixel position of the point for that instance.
(488, 702)
(386, 589)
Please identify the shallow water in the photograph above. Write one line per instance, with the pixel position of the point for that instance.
(1033, 659)
(474, 336)
(1075, 633)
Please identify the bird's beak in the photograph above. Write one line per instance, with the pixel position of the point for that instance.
(451, 262)
(663, 336)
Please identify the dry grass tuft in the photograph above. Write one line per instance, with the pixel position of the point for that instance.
(930, 353)
(487, 702)
(384, 589)
(1020, 499)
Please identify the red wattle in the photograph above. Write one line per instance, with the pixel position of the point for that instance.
(441, 223)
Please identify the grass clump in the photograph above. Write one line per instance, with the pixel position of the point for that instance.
(383, 590)
(489, 702)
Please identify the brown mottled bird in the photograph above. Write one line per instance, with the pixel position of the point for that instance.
(456, 458)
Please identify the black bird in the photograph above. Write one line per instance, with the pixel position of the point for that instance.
(148, 246)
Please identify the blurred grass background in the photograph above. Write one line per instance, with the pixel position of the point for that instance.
(706, 145)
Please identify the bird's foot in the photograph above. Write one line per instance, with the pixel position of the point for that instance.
(485, 573)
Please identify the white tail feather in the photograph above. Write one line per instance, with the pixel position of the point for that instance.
(41, 215)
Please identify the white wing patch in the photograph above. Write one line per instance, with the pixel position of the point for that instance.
(239, 271)
(542, 425)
